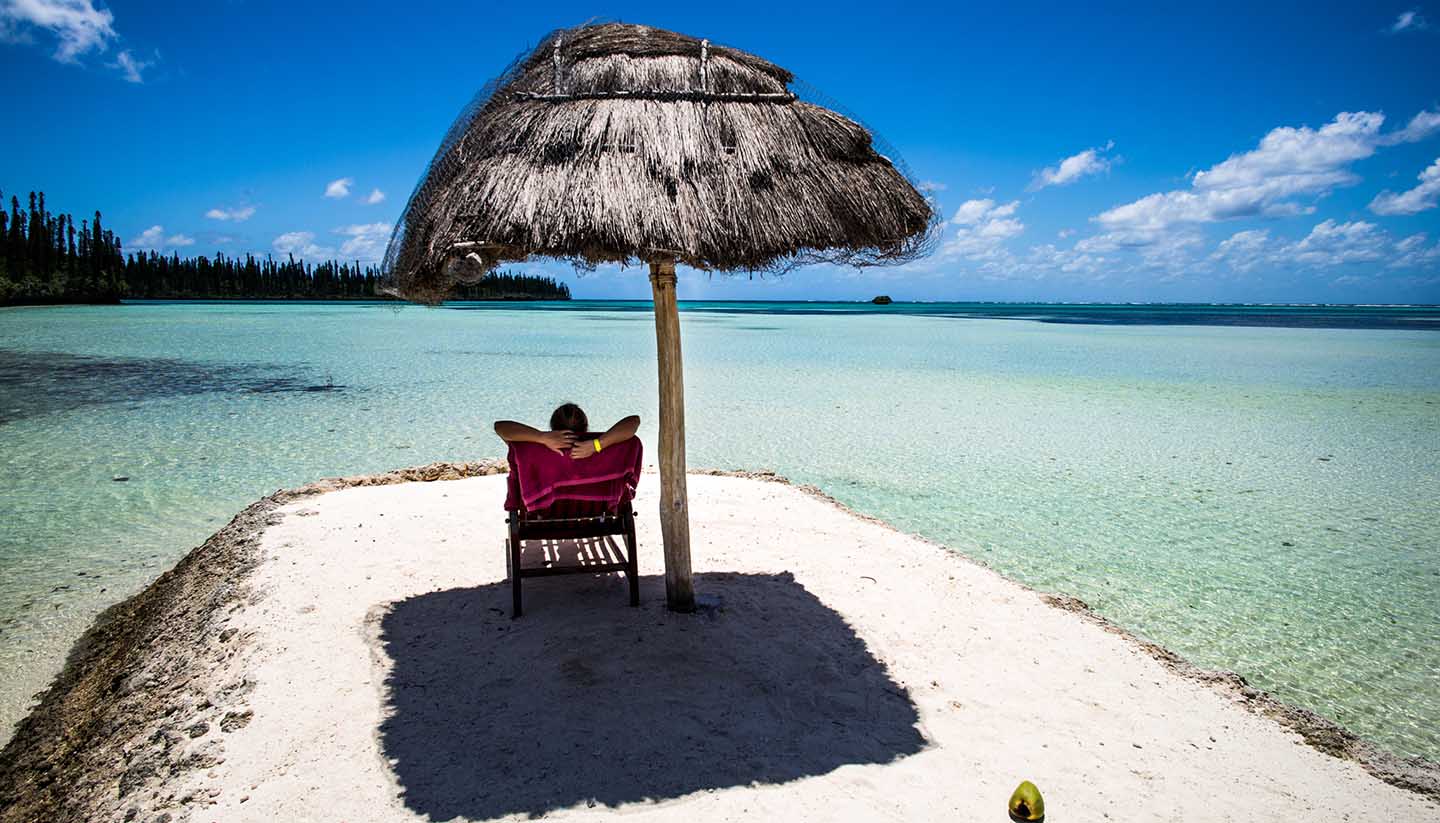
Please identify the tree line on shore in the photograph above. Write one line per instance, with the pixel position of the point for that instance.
(45, 258)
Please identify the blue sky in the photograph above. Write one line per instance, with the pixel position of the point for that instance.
(1128, 153)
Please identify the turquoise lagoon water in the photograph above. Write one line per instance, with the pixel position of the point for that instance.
(1257, 498)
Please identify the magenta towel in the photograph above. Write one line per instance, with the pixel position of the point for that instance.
(539, 477)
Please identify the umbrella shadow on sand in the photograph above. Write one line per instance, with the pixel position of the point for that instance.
(585, 700)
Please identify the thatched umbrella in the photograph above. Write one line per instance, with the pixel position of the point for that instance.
(617, 143)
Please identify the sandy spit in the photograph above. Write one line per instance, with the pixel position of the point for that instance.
(106, 729)
(1322, 733)
(351, 657)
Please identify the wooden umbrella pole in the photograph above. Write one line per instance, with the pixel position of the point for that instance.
(674, 505)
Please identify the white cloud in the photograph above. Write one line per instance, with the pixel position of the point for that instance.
(1349, 247)
(375, 196)
(129, 66)
(1073, 168)
(77, 25)
(1412, 253)
(929, 186)
(980, 232)
(1409, 21)
(149, 239)
(980, 229)
(1421, 126)
(1000, 229)
(301, 244)
(366, 241)
(1048, 258)
(1113, 241)
(239, 214)
(1421, 198)
(1333, 244)
(1167, 252)
(1244, 250)
(154, 239)
(1269, 180)
(1116, 257)
(976, 211)
(337, 189)
(1329, 244)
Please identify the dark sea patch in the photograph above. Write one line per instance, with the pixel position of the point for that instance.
(34, 384)
(281, 385)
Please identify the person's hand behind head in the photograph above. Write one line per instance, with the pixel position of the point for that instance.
(558, 441)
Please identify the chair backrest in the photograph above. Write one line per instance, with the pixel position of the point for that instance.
(562, 508)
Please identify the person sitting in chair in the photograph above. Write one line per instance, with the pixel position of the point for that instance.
(569, 432)
(554, 495)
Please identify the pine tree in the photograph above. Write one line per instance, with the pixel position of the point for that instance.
(43, 257)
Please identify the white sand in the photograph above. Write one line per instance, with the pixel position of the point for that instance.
(390, 683)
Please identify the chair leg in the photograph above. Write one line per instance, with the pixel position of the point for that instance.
(632, 563)
(514, 556)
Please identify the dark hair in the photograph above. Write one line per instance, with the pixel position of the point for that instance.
(569, 417)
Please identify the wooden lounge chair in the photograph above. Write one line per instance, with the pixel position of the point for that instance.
(569, 520)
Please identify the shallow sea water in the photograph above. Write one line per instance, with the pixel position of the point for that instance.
(1258, 499)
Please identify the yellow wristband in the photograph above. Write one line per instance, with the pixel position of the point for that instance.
(597, 444)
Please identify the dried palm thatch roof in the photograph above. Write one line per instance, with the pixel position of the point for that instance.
(623, 143)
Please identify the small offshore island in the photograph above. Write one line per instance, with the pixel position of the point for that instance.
(45, 260)
(343, 651)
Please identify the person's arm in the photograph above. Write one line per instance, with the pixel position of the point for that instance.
(512, 432)
(620, 432)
